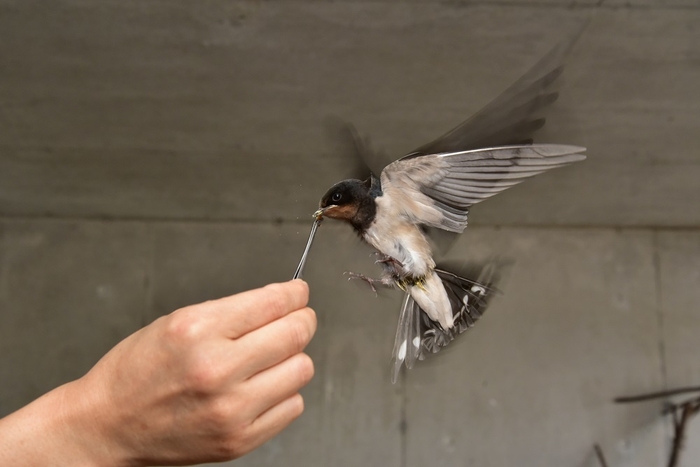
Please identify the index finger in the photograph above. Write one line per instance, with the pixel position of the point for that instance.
(247, 311)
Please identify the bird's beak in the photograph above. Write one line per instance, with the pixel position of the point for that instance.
(320, 213)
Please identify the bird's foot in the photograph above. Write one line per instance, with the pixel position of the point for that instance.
(392, 266)
(386, 259)
(384, 282)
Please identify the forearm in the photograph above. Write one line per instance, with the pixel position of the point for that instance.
(58, 429)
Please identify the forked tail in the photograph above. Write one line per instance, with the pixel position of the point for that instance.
(417, 335)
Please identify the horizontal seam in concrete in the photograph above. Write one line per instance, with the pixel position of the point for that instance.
(120, 148)
(573, 5)
(279, 221)
(577, 6)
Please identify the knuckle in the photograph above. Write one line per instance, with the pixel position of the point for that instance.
(310, 315)
(230, 451)
(287, 296)
(296, 406)
(276, 299)
(183, 325)
(239, 442)
(246, 438)
(230, 448)
(300, 332)
(204, 374)
(305, 369)
(231, 431)
(303, 289)
(220, 415)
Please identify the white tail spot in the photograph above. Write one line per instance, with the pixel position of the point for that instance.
(402, 351)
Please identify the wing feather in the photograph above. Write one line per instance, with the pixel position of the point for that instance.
(451, 183)
(515, 115)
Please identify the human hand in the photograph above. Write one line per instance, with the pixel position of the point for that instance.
(209, 382)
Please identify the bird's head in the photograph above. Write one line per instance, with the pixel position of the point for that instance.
(344, 200)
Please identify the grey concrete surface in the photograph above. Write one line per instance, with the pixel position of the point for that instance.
(576, 326)
(70, 291)
(680, 301)
(154, 155)
(579, 323)
(147, 101)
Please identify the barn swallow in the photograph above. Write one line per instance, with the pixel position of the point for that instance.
(435, 186)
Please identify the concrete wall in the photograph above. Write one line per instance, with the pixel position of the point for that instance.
(156, 154)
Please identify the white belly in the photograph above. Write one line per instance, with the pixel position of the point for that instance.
(395, 236)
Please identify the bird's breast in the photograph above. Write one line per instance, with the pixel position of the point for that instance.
(395, 236)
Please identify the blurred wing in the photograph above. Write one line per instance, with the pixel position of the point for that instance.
(356, 148)
(514, 116)
(510, 119)
(437, 190)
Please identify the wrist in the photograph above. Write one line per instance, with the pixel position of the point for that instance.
(61, 428)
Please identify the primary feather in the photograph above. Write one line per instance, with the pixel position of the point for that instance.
(438, 190)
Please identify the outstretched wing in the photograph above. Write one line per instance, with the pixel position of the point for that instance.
(510, 119)
(514, 116)
(437, 190)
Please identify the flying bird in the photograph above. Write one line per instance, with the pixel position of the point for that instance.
(434, 187)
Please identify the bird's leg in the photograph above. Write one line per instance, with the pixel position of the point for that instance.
(387, 260)
(387, 282)
(389, 278)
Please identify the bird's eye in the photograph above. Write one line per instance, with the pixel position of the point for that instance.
(336, 197)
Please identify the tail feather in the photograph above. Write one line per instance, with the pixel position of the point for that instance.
(407, 344)
(417, 335)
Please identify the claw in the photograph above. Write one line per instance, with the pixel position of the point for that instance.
(386, 259)
(369, 280)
